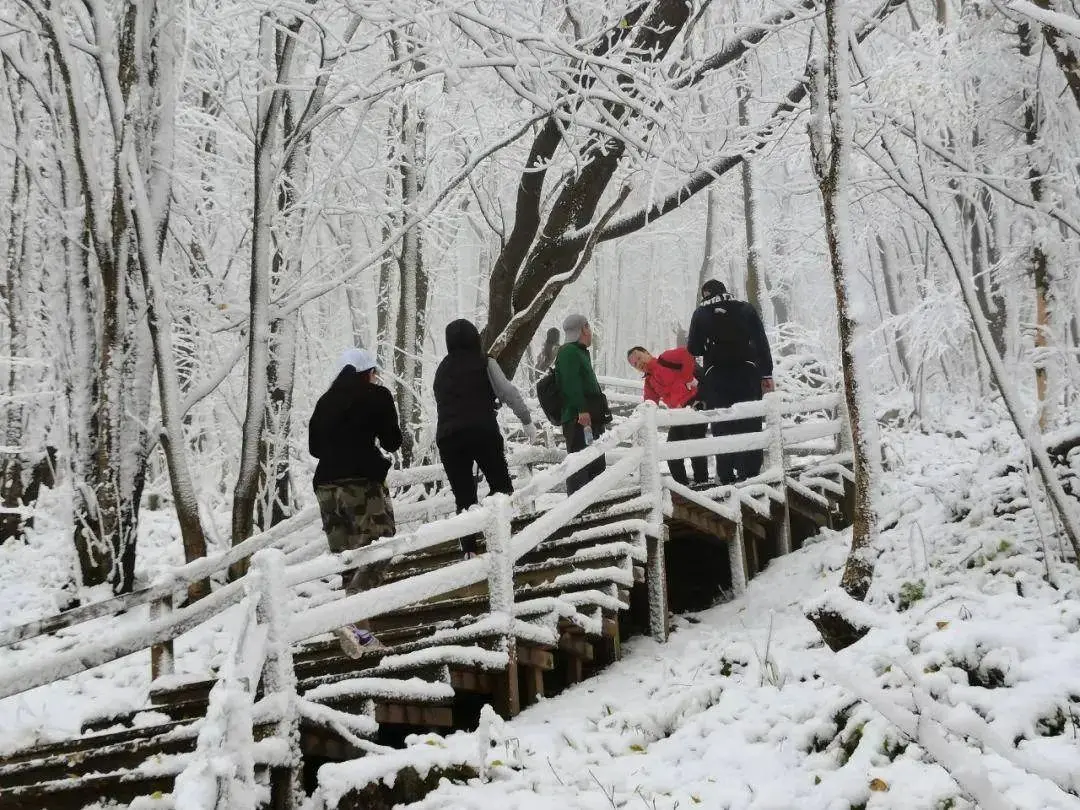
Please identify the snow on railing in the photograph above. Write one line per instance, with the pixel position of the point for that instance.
(165, 585)
(221, 773)
(95, 652)
(641, 460)
(431, 584)
(161, 592)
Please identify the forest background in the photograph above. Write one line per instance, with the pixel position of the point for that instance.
(203, 202)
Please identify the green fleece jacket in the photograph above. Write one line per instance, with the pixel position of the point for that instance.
(577, 380)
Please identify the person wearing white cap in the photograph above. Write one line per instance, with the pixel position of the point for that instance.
(351, 422)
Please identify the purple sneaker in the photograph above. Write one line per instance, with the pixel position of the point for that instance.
(355, 640)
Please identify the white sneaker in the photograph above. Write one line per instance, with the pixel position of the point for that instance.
(355, 640)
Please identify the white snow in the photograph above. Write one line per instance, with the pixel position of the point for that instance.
(746, 709)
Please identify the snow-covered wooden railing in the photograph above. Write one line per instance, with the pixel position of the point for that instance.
(221, 773)
(776, 441)
(161, 593)
(637, 454)
(94, 652)
(166, 584)
(431, 584)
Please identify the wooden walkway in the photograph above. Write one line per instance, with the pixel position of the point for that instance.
(502, 629)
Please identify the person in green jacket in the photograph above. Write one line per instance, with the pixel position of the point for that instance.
(584, 407)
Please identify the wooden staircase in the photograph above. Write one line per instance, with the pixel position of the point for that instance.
(442, 662)
(576, 595)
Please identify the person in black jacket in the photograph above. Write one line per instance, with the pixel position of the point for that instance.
(468, 387)
(350, 479)
(730, 338)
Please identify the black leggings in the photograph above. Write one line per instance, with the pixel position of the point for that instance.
(464, 448)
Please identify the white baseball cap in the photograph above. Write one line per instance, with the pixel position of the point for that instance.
(360, 359)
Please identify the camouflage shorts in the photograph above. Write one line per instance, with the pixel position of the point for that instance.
(355, 512)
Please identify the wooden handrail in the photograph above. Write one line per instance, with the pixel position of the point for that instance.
(165, 584)
(168, 583)
(639, 459)
(756, 409)
(91, 654)
(366, 604)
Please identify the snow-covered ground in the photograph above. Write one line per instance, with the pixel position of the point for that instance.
(744, 708)
(36, 581)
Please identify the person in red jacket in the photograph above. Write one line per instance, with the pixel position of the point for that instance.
(671, 379)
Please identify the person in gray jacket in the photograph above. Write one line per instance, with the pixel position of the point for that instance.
(469, 387)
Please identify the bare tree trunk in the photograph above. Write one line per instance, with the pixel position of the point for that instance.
(755, 284)
(830, 147)
(276, 49)
(977, 220)
(892, 296)
(411, 322)
(149, 210)
(1038, 261)
(708, 259)
(275, 500)
(12, 484)
(389, 282)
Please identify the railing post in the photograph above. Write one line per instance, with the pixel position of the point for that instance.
(278, 675)
(162, 661)
(652, 486)
(775, 456)
(526, 479)
(501, 595)
(737, 553)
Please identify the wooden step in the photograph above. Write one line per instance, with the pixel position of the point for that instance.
(77, 744)
(476, 606)
(73, 764)
(74, 794)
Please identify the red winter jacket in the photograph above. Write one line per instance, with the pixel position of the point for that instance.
(670, 378)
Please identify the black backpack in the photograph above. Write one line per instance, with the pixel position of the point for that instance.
(550, 396)
(729, 341)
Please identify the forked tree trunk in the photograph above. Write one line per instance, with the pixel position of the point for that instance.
(830, 134)
(534, 252)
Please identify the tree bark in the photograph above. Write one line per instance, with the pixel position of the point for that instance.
(830, 145)
(276, 53)
(1038, 261)
(754, 280)
(12, 483)
(412, 315)
(533, 255)
(893, 299)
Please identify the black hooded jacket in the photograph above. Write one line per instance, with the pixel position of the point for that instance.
(464, 397)
(728, 334)
(347, 421)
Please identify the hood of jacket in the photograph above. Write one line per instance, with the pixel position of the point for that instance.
(462, 335)
(717, 299)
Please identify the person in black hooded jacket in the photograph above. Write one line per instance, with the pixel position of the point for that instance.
(468, 387)
(350, 479)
